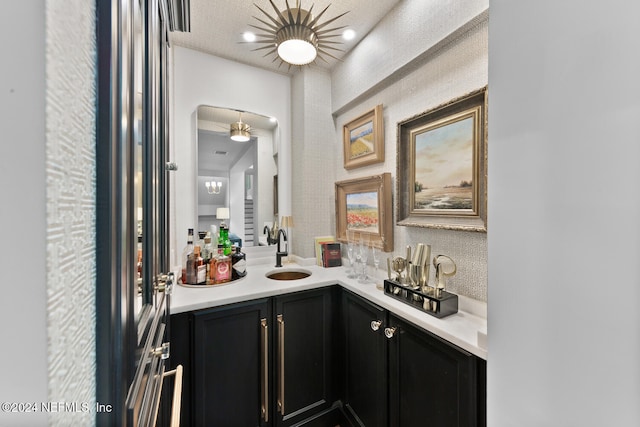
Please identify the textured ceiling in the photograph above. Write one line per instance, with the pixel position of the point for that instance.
(217, 27)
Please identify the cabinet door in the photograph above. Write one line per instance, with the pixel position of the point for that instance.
(432, 382)
(304, 355)
(230, 365)
(365, 361)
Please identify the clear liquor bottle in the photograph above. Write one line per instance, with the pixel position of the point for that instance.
(185, 254)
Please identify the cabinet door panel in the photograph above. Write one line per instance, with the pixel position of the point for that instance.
(431, 381)
(365, 362)
(227, 363)
(306, 378)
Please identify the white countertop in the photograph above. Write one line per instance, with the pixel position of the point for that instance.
(466, 329)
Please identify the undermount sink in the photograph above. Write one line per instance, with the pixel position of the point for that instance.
(289, 274)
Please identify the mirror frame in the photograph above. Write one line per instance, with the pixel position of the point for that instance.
(257, 132)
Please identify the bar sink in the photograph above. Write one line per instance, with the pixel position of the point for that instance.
(288, 274)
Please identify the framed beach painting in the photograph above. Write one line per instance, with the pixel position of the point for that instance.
(363, 139)
(442, 177)
(364, 206)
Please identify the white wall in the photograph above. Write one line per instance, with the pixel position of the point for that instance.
(448, 59)
(564, 209)
(23, 310)
(47, 222)
(201, 79)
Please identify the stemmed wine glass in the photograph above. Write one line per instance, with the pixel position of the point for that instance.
(364, 254)
(351, 253)
(375, 253)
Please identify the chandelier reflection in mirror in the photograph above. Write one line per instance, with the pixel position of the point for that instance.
(239, 131)
(213, 187)
(296, 36)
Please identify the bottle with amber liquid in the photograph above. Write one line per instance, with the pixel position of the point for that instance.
(196, 270)
(222, 267)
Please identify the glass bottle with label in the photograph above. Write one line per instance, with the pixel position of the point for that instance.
(201, 267)
(224, 239)
(222, 268)
(196, 270)
(238, 264)
(185, 254)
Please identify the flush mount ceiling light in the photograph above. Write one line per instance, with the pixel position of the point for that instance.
(296, 36)
(239, 131)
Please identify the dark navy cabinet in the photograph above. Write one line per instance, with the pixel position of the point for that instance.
(266, 362)
(321, 358)
(399, 375)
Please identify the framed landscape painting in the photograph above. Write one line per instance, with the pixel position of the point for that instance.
(364, 206)
(363, 139)
(442, 166)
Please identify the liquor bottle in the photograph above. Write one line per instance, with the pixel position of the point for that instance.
(200, 267)
(200, 242)
(222, 269)
(224, 239)
(185, 254)
(207, 253)
(139, 263)
(196, 270)
(238, 264)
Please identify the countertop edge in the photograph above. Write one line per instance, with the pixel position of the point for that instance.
(460, 329)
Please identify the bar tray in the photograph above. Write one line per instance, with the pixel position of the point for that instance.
(439, 306)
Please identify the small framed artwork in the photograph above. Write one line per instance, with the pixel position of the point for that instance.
(441, 169)
(363, 139)
(364, 206)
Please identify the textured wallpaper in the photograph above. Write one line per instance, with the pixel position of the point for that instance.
(446, 69)
(70, 173)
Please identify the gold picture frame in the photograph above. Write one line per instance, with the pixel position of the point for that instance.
(363, 139)
(441, 169)
(364, 205)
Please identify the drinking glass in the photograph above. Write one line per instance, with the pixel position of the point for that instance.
(351, 253)
(364, 254)
(375, 254)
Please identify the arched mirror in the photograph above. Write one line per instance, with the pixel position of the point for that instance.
(237, 171)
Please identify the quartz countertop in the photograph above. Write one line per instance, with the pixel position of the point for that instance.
(466, 329)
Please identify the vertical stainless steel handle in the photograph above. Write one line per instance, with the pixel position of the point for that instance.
(265, 370)
(388, 332)
(177, 395)
(375, 324)
(280, 319)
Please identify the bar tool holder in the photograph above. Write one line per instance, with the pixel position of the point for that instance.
(436, 302)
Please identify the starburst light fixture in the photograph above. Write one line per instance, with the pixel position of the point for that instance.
(296, 36)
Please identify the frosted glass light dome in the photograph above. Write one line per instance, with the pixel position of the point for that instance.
(297, 52)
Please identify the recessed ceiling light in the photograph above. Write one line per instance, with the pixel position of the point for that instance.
(248, 36)
(348, 34)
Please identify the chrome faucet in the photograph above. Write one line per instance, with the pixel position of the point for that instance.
(279, 253)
